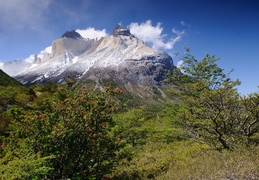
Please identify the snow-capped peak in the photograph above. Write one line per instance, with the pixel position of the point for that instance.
(119, 53)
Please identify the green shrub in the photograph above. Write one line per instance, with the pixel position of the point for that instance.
(188, 160)
(242, 163)
(75, 130)
(20, 162)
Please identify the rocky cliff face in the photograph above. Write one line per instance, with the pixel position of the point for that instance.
(119, 57)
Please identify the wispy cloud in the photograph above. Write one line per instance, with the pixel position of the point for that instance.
(178, 33)
(185, 24)
(92, 33)
(154, 35)
(17, 14)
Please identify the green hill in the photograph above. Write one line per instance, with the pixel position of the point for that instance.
(6, 80)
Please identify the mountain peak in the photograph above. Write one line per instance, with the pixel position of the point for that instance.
(119, 57)
(72, 35)
(119, 30)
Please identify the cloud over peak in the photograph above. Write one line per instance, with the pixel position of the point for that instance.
(154, 35)
(92, 33)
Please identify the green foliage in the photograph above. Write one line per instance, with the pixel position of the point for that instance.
(146, 124)
(74, 129)
(48, 87)
(5, 121)
(20, 162)
(147, 162)
(213, 110)
(250, 121)
(74, 132)
(12, 96)
(129, 127)
(6, 80)
(200, 163)
(204, 72)
(188, 160)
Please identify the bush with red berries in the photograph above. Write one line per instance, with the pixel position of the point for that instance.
(75, 129)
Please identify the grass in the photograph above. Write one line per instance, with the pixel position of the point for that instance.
(188, 160)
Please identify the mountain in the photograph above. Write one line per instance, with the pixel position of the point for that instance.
(6, 80)
(72, 34)
(120, 57)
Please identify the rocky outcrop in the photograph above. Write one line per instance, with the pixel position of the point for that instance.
(118, 30)
(72, 35)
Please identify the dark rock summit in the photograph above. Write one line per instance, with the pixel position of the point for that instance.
(118, 30)
(72, 35)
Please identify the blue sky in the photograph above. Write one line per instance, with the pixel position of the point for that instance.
(227, 28)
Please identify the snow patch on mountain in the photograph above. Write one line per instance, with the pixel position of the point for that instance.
(118, 53)
(91, 33)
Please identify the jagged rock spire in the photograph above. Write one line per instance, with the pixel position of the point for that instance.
(119, 30)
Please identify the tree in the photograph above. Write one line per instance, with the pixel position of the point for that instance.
(75, 130)
(214, 113)
(130, 127)
(250, 119)
(146, 124)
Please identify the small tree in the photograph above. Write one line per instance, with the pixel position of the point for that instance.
(214, 113)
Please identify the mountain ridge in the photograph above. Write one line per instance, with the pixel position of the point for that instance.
(120, 57)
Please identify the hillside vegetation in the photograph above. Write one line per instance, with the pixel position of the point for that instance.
(6, 80)
(72, 131)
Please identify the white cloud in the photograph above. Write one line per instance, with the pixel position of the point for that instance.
(17, 14)
(91, 33)
(154, 35)
(180, 63)
(46, 50)
(30, 59)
